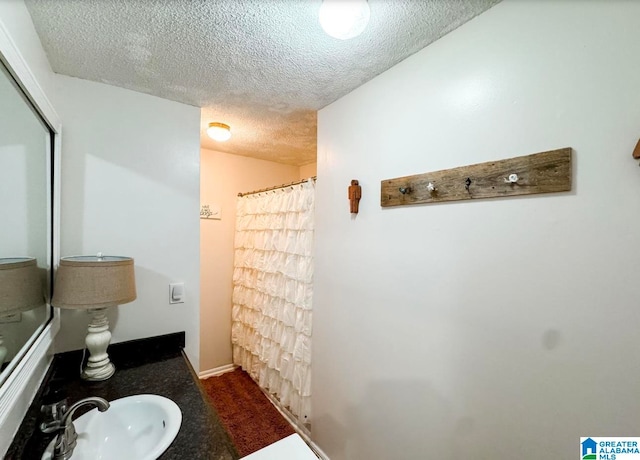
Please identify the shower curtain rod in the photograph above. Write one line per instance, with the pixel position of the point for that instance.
(278, 186)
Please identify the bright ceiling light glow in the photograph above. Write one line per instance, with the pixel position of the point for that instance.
(344, 19)
(219, 132)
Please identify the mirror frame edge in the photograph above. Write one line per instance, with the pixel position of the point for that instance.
(20, 387)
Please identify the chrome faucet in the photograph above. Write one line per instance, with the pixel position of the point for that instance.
(66, 435)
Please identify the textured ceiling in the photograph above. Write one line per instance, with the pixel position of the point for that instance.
(262, 66)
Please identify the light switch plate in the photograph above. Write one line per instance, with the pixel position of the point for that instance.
(176, 293)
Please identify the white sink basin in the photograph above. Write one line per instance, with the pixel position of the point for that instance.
(139, 427)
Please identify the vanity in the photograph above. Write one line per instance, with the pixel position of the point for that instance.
(148, 366)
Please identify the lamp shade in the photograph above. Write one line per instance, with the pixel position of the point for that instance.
(20, 285)
(88, 282)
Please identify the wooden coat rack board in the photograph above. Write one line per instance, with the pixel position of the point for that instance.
(544, 172)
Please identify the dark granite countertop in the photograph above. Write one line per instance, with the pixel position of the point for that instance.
(155, 366)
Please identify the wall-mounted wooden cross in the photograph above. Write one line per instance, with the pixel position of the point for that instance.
(355, 193)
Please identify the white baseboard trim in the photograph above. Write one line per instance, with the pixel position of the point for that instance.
(300, 429)
(216, 371)
(314, 447)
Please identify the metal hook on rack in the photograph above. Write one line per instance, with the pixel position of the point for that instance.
(467, 184)
(432, 188)
(405, 190)
(512, 179)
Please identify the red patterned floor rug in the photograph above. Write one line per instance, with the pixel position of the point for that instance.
(246, 413)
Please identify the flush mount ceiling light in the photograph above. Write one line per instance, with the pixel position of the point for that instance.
(219, 131)
(344, 19)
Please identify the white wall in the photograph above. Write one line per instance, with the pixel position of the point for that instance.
(130, 186)
(222, 177)
(472, 329)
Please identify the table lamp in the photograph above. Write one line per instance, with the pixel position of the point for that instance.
(95, 283)
(20, 289)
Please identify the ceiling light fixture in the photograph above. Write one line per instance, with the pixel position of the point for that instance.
(344, 19)
(219, 131)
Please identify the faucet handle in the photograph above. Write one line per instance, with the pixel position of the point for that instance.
(53, 412)
(50, 427)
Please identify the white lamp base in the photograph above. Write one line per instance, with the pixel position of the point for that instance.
(99, 367)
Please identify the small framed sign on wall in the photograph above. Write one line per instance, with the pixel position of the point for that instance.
(210, 211)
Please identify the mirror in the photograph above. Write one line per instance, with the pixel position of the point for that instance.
(25, 223)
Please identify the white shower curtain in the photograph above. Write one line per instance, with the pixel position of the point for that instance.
(273, 291)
